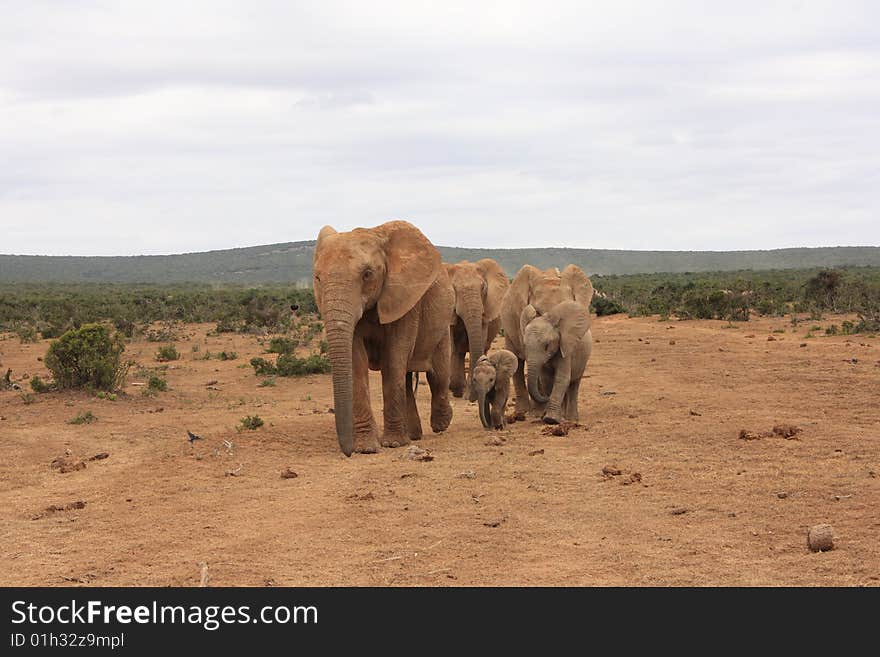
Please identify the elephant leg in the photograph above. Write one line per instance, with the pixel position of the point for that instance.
(457, 381)
(366, 433)
(522, 392)
(570, 407)
(438, 380)
(561, 382)
(497, 412)
(413, 423)
(394, 402)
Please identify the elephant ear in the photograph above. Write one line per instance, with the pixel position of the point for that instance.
(519, 292)
(412, 264)
(573, 321)
(525, 317)
(497, 284)
(450, 269)
(505, 363)
(326, 232)
(576, 285)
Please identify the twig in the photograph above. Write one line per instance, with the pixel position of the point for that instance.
(388, 559)
(438, 570)
(203, 573)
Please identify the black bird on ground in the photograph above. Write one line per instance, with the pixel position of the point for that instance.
(192, 437)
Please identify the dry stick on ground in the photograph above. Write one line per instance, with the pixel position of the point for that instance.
(203, 574)
(388, 559)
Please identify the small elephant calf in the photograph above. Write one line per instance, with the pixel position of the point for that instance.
(491, 385)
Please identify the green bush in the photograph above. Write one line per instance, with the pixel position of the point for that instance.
(281, 345)
(38, 385)
(51, 332)
(603, 306)
(263, 367)
(227, 355)
(251, 422)
(157, 384)
(290, 365)
(27, 333)
(87, 357)
(267, 383)
(83, 418)
(166, 353)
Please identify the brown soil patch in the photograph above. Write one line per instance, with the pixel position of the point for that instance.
(704, 510)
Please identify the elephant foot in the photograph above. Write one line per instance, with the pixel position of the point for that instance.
(441, 416)
(549, 418)
(366, 444)
(416, 434)
(394, 441)
(458, 394)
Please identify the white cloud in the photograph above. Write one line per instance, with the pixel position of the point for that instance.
(169, 127)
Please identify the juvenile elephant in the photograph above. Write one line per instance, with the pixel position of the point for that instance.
(387, 305)
(542, 290)
(558, 345)
(491, 386)
(479, 289)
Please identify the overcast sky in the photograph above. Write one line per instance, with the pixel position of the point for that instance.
(167, 127)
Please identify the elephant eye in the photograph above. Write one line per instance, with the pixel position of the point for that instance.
(367, 275)
(317, 279)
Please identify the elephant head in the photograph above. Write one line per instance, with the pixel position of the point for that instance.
(553, 335)
(479, 289)
(389, 268)
(542, 290)
(492, 373)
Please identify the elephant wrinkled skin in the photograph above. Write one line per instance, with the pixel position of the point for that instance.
(558, 345)
(540, 291)
(479, 288)
(491, 386)
(387, 304)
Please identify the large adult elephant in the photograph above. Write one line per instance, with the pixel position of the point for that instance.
(542, 290)
(387, 305)
(479, 288)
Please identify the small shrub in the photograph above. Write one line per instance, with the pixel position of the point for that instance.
(157, 384)
(40, 386)
(281, 345)
(289, 365)
(263, 367)
(125, 326)
(167, 353)
(267, 383)
(27, 334)
(603, 306)
(227, 355)
(847, 327)
(83, 418)
(51, 332)
(110, 396)
(164, 334)
(251, 422)
(226, 326)
(87, 356)
(832, 330)
(324, 346)
(28, 398)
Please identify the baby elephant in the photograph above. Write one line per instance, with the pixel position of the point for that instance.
(491, 381)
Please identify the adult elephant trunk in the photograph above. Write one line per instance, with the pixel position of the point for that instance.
(534, 364)
(483, 403)
(340, 332)
(471, 313)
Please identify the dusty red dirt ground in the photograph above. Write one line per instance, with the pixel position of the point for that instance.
(666, 400)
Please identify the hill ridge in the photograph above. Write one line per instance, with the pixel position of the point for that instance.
(291, 262)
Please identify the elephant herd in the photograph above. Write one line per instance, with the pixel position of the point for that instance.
(389, 304)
